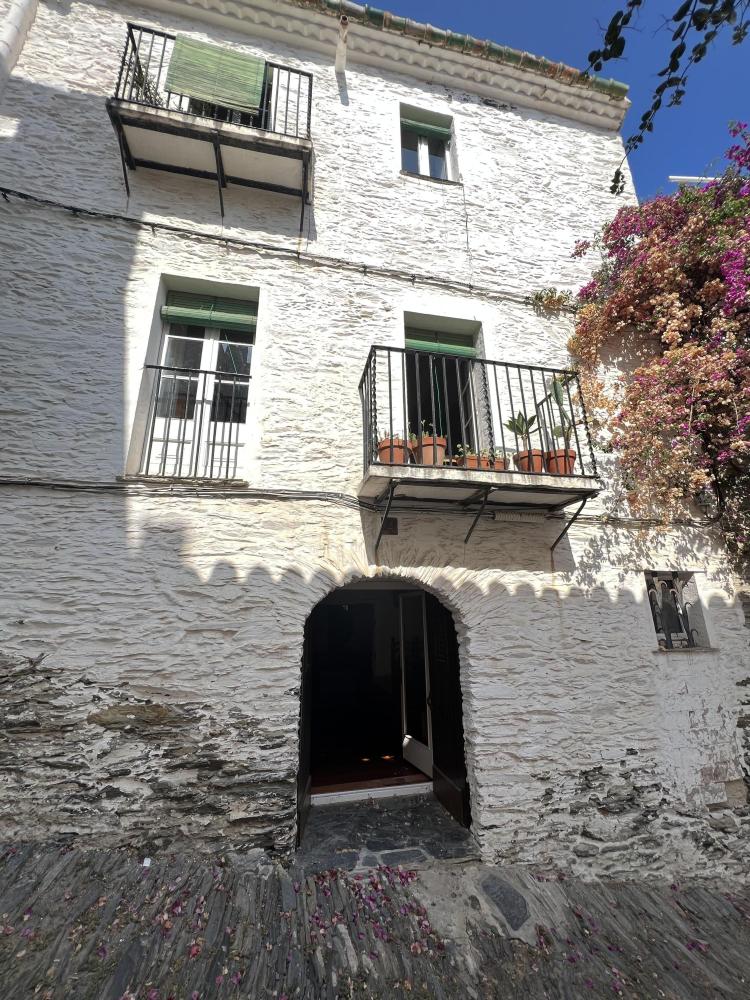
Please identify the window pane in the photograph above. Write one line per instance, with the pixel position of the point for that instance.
(237, 336)
(409, 151)
(230, 401)
(184, 352)
(438, 159)
(176, 397)
(234, 357)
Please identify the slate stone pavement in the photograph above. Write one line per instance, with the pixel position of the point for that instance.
(110, 925)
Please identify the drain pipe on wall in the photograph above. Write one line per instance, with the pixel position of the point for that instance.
(14, 28)
(340, 64)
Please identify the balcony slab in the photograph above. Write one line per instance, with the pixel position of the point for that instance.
(163, 139)
(412, 486)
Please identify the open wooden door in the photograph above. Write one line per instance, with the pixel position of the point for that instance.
(448, 760)
(304, 778)
(416, 728)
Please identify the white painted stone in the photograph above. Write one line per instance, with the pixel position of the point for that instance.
(572, 722)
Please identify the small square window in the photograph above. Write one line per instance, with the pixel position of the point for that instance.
(426, 144)
(676, 610)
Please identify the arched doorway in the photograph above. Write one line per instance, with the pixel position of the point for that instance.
(381, 704)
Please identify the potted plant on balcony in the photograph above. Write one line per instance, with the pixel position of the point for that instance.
(429, 448)
(393, 450)
(467, 458)
(561, 461)
(530, 459)
(498, 459)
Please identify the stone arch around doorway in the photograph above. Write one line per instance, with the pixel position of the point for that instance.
(364, 635)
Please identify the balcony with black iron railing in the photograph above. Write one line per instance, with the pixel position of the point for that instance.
(209, 111)
(446, 430)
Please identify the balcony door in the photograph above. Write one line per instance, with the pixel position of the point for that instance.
(199, 411)
(446, 390)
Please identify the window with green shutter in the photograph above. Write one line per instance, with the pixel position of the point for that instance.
(445, 389)
(425, 143)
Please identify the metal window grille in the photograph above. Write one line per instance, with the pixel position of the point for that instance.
(671, 610)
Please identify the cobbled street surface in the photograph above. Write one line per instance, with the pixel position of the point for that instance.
(102, 924)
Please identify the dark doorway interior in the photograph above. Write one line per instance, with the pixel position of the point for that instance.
(375, 661)
(356, 694)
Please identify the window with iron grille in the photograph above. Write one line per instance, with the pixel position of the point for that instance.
(197, 425)
(676, 610)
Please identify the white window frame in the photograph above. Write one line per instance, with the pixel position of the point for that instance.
(423, 148)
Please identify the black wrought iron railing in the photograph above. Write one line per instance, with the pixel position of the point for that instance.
(441, 410)
(196, 423)
(286, 96)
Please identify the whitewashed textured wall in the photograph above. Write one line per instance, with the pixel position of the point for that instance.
(586, 747)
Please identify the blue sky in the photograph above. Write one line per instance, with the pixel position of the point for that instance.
(688, 140)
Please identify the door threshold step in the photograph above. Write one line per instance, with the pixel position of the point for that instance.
(362, 794)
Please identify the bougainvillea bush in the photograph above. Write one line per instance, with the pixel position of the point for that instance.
(672, 295)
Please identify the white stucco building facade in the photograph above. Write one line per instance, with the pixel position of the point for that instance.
(152, 619)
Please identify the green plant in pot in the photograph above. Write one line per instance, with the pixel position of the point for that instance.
(429, 447)
(467, 458)
(561, 461)
(498, 459)
(393, 449)
(529, 459)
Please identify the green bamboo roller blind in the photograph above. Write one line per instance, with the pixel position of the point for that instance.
(215, 74)
(210, 310)
(461, 344)
(428, 131)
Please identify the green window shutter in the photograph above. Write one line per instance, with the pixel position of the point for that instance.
(428, 131)
(210, 310)
(460, 344)
(215, 74)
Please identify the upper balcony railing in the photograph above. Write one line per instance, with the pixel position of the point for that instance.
(284, 105)
(441, 410)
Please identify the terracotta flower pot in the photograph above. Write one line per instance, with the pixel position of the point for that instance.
(500, 463)
(473, 462)
(561, 462)
(399, 455)
(431, 450)
(530, 461)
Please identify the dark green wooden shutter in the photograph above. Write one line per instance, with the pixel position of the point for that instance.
(210, 310)
(216, 74)
(428, 131)
(461, 344)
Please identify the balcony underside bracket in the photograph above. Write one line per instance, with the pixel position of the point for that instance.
(391, 491)
(125, 158)
(480, 511)
(220, 178)
(568, 526)
(303, 196)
